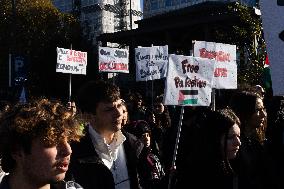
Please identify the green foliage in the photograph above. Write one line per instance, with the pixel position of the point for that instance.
(247, 35)
(35, 28)
(32, 25)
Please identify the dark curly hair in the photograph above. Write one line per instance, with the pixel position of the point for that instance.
(93, 92)
(39, 118)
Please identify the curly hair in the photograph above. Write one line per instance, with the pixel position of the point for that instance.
(39, 118)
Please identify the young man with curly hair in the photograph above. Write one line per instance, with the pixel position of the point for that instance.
(34, 145)
(106, 157)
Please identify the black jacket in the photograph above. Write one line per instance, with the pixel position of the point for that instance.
(87, 168)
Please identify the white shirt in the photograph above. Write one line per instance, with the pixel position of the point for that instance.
(113, 156)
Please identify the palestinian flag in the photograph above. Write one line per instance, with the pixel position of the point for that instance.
(266, 76)
(187, 97)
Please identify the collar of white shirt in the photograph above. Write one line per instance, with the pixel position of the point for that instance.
(107, 152)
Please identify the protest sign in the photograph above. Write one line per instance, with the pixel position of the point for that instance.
(272, 13)
(113, 60)
(71, 61)
(151, 62)
(225, 71)
(189, 81)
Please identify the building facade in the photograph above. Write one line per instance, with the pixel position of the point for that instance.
(102, 16)
(155, 7)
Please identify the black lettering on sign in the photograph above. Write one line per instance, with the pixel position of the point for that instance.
(120, 54)
(103, 52)
(280, 2)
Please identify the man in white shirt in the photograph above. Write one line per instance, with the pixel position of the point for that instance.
(106, 157)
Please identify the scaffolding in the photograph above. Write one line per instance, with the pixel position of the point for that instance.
(155, 7)
(103, 16)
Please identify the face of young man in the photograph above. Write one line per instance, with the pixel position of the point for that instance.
(108, 117)
(45, 164)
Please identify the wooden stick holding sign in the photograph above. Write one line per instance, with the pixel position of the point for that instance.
(225, 71)
(151, 63)
(188, 83)
(71, 62)
(70, 87)
(173, 165)
(70, 82)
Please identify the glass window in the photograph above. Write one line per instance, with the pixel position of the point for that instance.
(154, 5)
(168, 3)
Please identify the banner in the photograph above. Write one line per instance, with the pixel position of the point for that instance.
(189, 81)
(272, 13)
(225, 71)
(113, 60)
(151, 62)
(71, 61)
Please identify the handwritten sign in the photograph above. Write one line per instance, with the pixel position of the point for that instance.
(272, 13)
(113, 60)
(189, 81)
(151, 62)
(225, 73)
(71, 61)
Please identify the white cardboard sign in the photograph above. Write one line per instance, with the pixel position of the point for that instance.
(225, 71)
(71, 61)
(189, 81)
(151, 62)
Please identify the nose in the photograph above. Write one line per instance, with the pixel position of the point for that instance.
(64, 148)
(118, 111)
(237, 141)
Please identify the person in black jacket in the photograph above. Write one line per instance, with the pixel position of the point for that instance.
(106, 158)
(254, 163)
(150, 168)
(212, 144)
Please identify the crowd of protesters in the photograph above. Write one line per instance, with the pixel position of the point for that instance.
(107, 140)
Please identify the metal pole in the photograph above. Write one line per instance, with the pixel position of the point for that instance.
(10, 70)
(152, 82)
(176, 147)
(152, 92)
(70, 82)
(14, 8)
(130, 13)
(213, 104)
(13, 46)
